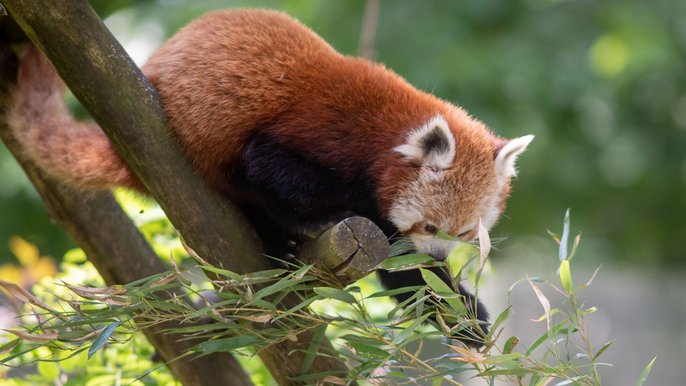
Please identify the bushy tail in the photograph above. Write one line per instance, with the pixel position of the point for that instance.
(78, 153)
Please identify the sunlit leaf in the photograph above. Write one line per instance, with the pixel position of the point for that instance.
(369, 351)
(335, 293)
(404, 262)
(500, 359)
(441, 288)
(394, 292)
(566, 276)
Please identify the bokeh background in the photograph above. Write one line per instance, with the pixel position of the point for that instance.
(602, 85)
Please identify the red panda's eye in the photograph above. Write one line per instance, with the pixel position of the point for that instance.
(430, 228)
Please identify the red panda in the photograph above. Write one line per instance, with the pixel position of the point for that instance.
(296, 134)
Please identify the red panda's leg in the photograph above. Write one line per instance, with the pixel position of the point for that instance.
(476, 309)
(78, 153)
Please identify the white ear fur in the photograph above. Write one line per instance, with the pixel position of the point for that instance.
(505, 160)
(432, 145)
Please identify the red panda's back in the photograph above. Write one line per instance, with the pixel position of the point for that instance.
(229, 72)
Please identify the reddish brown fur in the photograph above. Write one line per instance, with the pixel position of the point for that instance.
(233, 73)
(76, 152)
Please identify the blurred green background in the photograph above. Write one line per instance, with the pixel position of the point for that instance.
(602, 85)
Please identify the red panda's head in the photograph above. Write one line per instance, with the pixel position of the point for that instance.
(461, 176)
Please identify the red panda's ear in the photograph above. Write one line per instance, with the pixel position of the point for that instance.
(507, 153)
(431, 145)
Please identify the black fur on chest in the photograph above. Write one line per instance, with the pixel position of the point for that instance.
(289, 197)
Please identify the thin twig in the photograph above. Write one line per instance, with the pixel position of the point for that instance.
(368, 32)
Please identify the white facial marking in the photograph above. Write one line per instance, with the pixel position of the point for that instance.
(404, 215)
(432, 144)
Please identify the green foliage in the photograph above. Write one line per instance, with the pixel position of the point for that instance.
(80, 355)
(375, 337)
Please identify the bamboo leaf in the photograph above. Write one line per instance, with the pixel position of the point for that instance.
(226, 344)
(36, 338)
(510, 344)
(274, 288)
(500, 319)
(602, 349)
(369, 351)
(404, 262)
(24, 296)
(313, 348)
(443, 290)
(335, 293)
(500, 359)
(394, 292)
(568, 381)
(519, 372)
(402, 336)
(566, 276)
(562, 252)
(445, 236)
(223, 272)
(543, 300)
(100, 341)
(545, 336)
(644, 374)
(9, 346)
